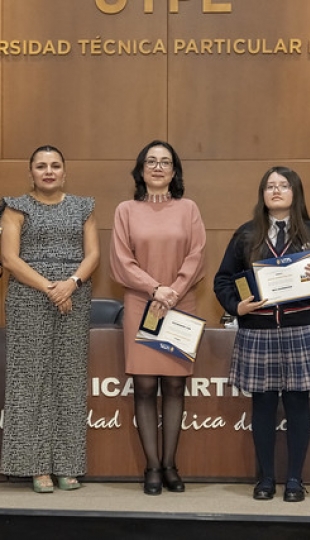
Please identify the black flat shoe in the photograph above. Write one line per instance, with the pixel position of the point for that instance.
(294, 491)
(172, 481)
(264, 489)
(153, 481)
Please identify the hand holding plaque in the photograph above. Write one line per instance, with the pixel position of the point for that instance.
(246, 285)
(283, 279)
(177, 333)
(279, 279)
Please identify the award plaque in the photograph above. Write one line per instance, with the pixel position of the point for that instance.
(150, 323)
(246, 285)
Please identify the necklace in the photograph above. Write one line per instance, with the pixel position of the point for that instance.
(161, 197)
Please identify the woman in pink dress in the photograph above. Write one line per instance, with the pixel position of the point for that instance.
(157, 253)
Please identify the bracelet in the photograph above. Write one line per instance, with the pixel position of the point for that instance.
(155, 290)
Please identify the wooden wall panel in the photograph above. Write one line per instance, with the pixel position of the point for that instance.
(224, 191)
(1, 78)
(229, 116)
(240, 106)
(92, 106)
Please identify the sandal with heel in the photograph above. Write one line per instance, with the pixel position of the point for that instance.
(43, 484)
(68, 483)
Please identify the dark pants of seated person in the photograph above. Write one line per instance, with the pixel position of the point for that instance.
(264, 420)
(145, 397)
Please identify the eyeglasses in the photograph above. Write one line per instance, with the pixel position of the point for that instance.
(282, 188)
(152, 164)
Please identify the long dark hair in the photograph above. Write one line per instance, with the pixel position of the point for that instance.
(298, 232)
(45, 148)
(176, 186)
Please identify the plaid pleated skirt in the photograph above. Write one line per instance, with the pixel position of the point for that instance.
(271, 359)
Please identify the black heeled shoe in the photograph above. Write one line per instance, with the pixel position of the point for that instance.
(294, 491)
(172, 481)
(152, 486)
(264, 489)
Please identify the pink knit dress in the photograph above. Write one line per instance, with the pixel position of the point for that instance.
(156, 243)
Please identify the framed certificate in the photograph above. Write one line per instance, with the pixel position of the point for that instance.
(177, 333)
(283, 279)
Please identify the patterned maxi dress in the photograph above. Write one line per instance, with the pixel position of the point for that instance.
(46, 352)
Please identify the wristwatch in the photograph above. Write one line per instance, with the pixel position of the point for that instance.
(78, 281)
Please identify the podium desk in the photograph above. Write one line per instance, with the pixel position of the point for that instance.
(216, 438)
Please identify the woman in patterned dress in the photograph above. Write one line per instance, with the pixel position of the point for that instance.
(50, 248)
(157, 252)
(272, 347)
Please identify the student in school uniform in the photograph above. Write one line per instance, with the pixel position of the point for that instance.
(271, 355)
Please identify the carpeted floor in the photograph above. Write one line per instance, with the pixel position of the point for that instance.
(199, 499)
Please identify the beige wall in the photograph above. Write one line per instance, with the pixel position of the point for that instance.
(230, 115)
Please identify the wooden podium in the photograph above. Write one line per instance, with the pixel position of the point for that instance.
(216, 439)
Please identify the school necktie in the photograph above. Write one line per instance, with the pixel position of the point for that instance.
(280, 237)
